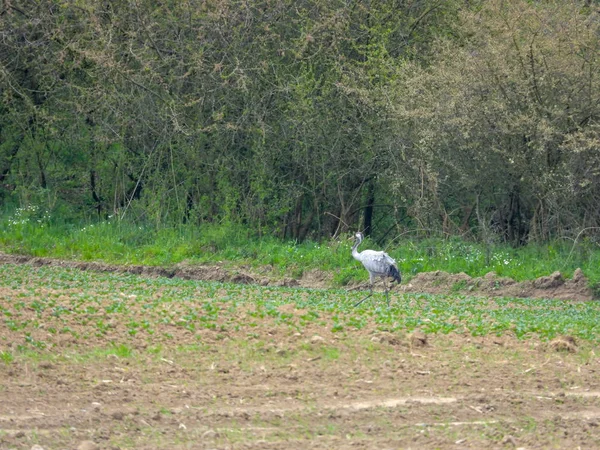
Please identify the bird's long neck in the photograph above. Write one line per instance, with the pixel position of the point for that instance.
(355, 252)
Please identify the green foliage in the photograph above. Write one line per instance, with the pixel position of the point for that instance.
(303, 120)
(121, 350)
(497, 136)
(6, 357)
(144, 308)
(122, 242)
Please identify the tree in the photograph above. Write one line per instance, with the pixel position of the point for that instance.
(499, 111)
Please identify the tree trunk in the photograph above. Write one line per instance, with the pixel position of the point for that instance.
(95, 196)
(368, 218)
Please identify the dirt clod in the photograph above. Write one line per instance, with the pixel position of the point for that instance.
(418, 339)
(87, 445)
(387, 338)
(549, 282)
(209, 434)
(316, 339)
(118, 415)
(509, 440)
(564, 344)
(578, 276)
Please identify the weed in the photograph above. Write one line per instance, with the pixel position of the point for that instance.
(6, 357)
(330, 353)
(459, 286)
(120, 350)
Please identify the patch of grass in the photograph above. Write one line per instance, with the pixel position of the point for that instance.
(121, 350)
(34, 232)
(330, 353)
(459, 286)
(6, 357)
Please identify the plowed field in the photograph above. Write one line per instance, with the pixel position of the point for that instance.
(104, 360)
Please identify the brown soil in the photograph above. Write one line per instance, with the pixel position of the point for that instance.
(554, 286)
(312, 389)
(268, 384)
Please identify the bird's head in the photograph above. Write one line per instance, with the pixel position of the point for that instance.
(359, 236)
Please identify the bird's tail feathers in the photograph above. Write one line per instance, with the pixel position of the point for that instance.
(395, 274)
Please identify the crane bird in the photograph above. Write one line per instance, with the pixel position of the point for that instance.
(378, 264)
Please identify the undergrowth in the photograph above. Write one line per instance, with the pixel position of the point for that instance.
(32, 231)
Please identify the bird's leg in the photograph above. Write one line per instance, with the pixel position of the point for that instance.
(387, 296)
(370, 293)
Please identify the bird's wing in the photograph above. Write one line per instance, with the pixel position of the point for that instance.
(377, 262)
(389, 259)
(378, 256)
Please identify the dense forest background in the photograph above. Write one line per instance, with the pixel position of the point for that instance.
(306, 118)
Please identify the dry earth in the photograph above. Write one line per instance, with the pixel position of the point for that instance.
(280, 388)
(315, 389)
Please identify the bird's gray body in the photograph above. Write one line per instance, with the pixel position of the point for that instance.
(378, 264)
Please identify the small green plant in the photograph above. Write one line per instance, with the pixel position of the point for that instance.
(330, 353)
(121, 350)
(6, 357)
(459, 286)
